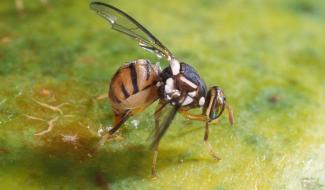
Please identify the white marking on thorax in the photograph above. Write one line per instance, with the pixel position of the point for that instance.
(187, 101)
(176, 93)
(169, 87)
(191, 84)
(170, 82)
(158, 84)
(202, 101)
(175, 66)
(192, 94)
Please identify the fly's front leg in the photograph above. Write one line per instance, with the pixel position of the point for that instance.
(200, 117)
(191, 116)
(230, 114)
(206, 142)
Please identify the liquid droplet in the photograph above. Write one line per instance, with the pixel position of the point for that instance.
(135, 123)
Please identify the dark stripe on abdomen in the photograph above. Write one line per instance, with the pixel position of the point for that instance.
(125, 92)
(134, 78)
(115, 99)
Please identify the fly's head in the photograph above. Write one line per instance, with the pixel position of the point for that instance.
(215, 103)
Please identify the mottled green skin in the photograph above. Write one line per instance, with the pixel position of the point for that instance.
(268, 56)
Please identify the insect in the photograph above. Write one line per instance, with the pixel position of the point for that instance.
(179, 88)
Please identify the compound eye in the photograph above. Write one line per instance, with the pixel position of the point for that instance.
(218, 104)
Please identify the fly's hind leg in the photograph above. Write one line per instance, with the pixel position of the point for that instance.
(119, 119)
(206, 142)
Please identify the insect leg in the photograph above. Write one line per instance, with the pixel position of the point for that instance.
(206, 137)
(118, 122)
(157, 113)
(154, 161)
(230, 114)
(191, 116)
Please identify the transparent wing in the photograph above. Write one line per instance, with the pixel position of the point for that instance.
(122, 22)
(168, 114)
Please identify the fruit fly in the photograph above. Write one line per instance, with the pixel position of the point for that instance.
(178, 87)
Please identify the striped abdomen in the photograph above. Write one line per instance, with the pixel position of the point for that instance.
(134, 85)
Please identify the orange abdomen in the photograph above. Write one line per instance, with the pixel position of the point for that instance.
(133, 86)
